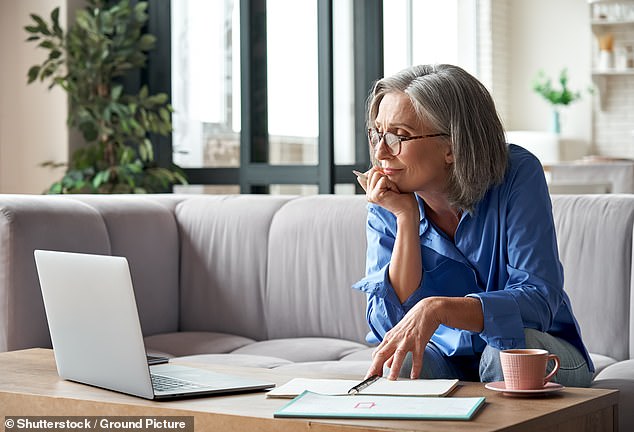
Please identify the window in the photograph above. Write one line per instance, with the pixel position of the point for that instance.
(430, 31)
(293, 98)
(270, 94)
(205, 83)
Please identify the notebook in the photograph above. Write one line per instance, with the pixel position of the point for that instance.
(313, 405)
(96, 333)
(382, 386)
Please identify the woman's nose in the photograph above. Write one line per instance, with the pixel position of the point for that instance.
(382, 150)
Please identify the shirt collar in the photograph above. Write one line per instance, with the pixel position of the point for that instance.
(433, 239)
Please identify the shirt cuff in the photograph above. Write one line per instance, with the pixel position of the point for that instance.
(503, 325)
(378, 284)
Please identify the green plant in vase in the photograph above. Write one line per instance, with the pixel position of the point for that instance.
(89, 61)
(557, 97)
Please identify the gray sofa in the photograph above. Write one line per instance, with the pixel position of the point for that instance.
(265, 280)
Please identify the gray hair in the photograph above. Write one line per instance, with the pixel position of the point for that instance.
(455, 103)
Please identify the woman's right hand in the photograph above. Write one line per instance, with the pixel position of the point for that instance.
(380, 190)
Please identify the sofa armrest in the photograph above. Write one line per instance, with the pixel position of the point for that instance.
(594, 234)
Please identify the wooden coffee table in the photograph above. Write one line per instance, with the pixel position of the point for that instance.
(30, 386)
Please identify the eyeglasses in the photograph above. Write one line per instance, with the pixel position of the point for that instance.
(394, 141)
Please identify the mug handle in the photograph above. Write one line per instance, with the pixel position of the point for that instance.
(555, 369)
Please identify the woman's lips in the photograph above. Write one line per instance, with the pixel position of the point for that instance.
(391, 171)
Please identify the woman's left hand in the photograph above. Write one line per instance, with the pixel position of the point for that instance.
(411, 334)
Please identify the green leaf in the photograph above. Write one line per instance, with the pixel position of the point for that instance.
(140, 7)
(56, 27)
(47, 44)
(127, 155)
(116, 91)
(180, 178)
(32, 29)
(143, 153)
(56, 188)
(143, 93)
(165, 115)
(149, 149)
(157, 99)
(89, 131)
(85, 21)
(32, 38)
(147, 42)
(33, 72)
(100, 178)
(124, 126)
(136, 168)
(38, 19)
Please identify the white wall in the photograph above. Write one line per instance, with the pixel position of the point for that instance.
(32, 118)
(549, 35)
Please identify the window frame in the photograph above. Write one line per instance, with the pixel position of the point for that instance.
(255, 174)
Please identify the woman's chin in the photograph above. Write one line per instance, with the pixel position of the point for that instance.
(404, 188)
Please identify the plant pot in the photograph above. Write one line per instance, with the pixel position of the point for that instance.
(556, 121)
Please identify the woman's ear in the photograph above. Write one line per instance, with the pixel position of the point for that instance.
(449, 159)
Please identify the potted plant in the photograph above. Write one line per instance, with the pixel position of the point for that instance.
(557, 97)
(89, 61)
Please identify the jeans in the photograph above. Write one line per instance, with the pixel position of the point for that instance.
(573, 372)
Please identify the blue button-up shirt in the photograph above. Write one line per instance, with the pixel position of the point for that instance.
(504, 253)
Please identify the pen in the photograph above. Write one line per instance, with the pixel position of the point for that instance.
(363, 384)
(363, 176)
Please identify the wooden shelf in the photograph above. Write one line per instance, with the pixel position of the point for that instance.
(606, 22)
(613, 72)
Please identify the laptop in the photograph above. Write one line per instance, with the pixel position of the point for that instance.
(96, 333)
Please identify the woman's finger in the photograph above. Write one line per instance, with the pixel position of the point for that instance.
(397, 363)
(417, 362)
(373, 178)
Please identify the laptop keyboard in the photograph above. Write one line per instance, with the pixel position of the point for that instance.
(166, 384)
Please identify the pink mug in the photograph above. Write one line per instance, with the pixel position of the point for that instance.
(525, 369)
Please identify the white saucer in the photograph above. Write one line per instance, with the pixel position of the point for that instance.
(499, 386)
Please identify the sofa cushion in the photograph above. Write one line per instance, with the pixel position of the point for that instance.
(621, 370)
(192, 343)
(324, 369)
(224, 247)
(361, 355)
(601, 362)
(302, 349)
(144, 231)
(316, 252)
(243, 360)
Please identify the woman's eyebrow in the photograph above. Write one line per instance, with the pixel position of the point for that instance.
(396, 126)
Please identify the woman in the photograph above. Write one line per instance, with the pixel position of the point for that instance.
(462, 258)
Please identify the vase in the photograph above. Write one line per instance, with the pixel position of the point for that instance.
(556, 124)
